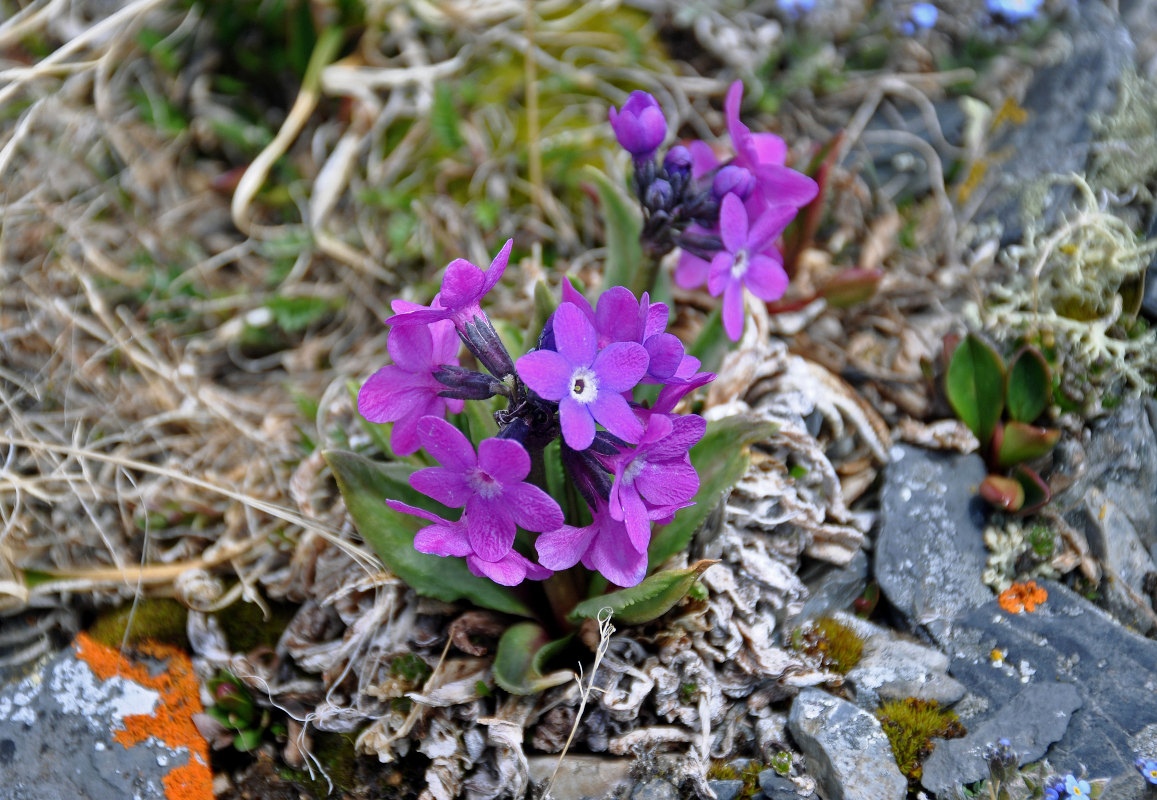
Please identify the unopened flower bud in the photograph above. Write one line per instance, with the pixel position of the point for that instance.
(660, 195)
(640, 127)
(677, 161)
(466, 384)
(733, 180)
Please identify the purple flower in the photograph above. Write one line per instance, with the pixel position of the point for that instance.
(490, 485)
(406, 391)
(655, 478)
(1148, 769)
(446, 538)
(685, 380)
(587, 383)
(640, 127)
(604, 546)
(463, 287)
(764, 155)
(748, 260)
(924, 15)
(795, 8)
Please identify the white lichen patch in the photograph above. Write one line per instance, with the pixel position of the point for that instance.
(104, 704)
(1006, 547)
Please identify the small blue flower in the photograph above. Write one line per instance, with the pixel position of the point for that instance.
(1148, 769)
(796, 8)
(1015, 10)
(1076, 788)
(924, 15)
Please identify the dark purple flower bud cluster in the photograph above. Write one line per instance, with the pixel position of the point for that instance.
(1001, 759)
(630, 463)
(725, 215)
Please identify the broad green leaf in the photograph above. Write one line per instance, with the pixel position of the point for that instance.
(544, 305)
(523, 651)
(1015, 442)
(852, 287)
(1029, 385)
(365, 485)
(711, 344)
(1036, 491)
(651, 599)
(720, 458)
(975, 386)
(1004, 493)
(624, 225)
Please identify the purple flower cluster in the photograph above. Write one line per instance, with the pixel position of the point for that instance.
(725, 215)
(1068, 787)
(633, 471)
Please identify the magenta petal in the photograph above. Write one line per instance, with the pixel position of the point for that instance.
(448, 487)
(635, 520)
(448, 445)
(546, 372)
(691, 271)
(462, 284)
(720, 273)
(572, 295)
(532, 508)
(405, 508)
(620, 366)
(612, 412)
(491, 535)
(574, 336)
(784, 185)
(766, 278)
(768, 226)
(422, 316)
(668, 485)
(733, 223)
(404, 439)
(497, 267)
(665, 353)
(703, 158)
(411, 347)
(442, 540)
(614, 557)
(505, 571)
(562, 549)
(733, 310)
(505, 460)
(578, 428)
(446, 342)
(769, 148)
(657, 316)
(685, 433)
(617, 317)
(390, 394)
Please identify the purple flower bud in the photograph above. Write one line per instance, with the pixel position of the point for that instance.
(660, 195)
(677, 161)
(733, 180)
(466, 384)
(640, 127)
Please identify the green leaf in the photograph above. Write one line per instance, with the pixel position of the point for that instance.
(651, 599)
(544, 305)
(294, 314)
(444, 118)
(365, 485)
(711, 344)
(974, 384)
(1036, 491)
(247, 740)
(1017, 441)
(1029, 387)
(720, 458)
(523, 651)
(1004, 493)
(624, 225)
(480, 417)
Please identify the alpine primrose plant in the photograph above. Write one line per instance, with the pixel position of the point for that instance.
(574, 452)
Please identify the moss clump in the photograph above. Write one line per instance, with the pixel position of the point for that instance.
(910, 726)
(246, 628)
(160, 619)
(837, 646)
(723, 771)
(336, 754)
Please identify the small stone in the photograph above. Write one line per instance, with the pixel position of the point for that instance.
(777, 787)
(655, 789)
(846, 749)
(892, 668)
(580, 775)
(726, 790)
(930, 552)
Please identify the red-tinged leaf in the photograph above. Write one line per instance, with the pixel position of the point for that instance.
(1004, 493)
(1036, 491)
(852, 287)
(1015, 442)
(523, 652)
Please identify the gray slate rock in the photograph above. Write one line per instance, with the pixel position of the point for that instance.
(56, 734)
(892, 668)
(777, 787)
(655, 789)
(930, 551)
(1056, 136)
(1032, 720)
(726, 790)
(833, 589)
(846, 750)
(581, 776)
(1069, 641)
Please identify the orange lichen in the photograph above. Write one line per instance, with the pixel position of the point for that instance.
(171, 722)
(1022, 597)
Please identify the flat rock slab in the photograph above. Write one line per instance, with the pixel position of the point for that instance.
(846, 748)
(580, 776)
(1066, 641)
(91, 724)
(930, 552)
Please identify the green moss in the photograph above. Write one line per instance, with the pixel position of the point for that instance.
(725, 771)
(910, 726)
(246, 628)
(160, 619)
(837, 646)
(338, 758)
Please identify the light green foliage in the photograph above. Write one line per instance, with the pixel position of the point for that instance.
(836, 646)
(910, 726)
